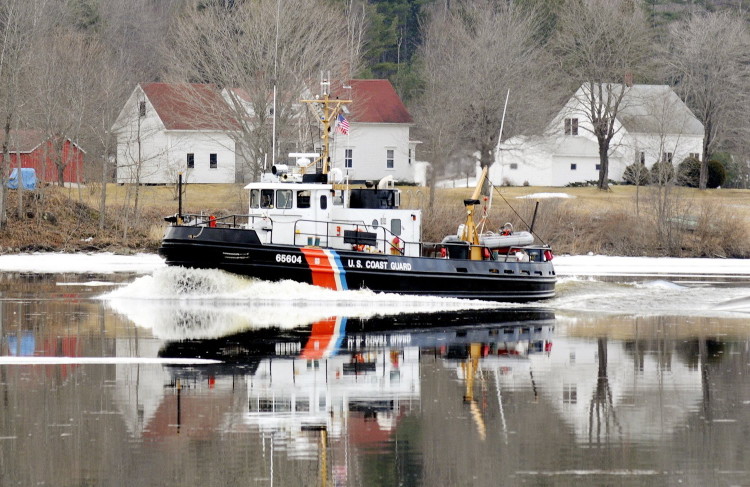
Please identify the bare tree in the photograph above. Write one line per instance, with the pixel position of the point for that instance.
(709, 60)
(437, 124)
(61, 90)
(598, 44)
(111, 83)
(18, 20)
(474, 53)
(255, 49)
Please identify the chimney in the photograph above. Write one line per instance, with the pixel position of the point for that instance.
(629, 79)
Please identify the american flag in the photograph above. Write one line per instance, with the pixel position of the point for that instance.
(342, 124)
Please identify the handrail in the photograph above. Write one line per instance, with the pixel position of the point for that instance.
(386, 240)
(202, 220)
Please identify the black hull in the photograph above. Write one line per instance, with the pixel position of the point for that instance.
(241, 252)
(449, 331)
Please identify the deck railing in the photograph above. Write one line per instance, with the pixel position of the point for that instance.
(333, 236)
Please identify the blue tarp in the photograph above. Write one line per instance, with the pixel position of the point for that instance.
(29, 178)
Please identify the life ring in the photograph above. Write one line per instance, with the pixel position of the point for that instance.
(397, 246)
(359, 247)
(212, 221)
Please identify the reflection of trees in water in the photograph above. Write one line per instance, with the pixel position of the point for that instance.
(602, 416)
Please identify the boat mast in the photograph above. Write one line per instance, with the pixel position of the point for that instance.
(470, 233)
(326, 110)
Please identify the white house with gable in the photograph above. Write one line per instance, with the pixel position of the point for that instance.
(167, 128)
(377, 143)
(164, 129)
(653, 124)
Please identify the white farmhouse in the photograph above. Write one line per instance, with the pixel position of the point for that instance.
(653, 124)
(377, 144)
(164, 129)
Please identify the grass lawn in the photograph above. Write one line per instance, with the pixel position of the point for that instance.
(232, 198)
(620, 197)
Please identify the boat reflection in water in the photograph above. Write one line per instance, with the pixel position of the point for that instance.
(357, 377)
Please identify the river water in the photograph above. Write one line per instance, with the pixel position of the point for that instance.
(637, 375)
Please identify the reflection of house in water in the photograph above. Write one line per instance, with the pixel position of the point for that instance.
(605, 391)
(157, 403)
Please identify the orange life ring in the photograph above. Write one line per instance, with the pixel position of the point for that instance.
(397, 246)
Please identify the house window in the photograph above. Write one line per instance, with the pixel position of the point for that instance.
(142, 109)
(212, 161)
(409, 156)
(695, 156)
(570, 394)
(666, 157)
(348, 153)
(190, 161)
(598, 167)
(571, 126)
(573, 167)
(643, 158)
(514, 165)
(389, 153)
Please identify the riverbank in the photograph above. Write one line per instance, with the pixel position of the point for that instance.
(625, 221)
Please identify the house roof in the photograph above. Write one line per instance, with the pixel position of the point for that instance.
(189, 106)
(374, 101)
(25, 140)
(657, 109)
(28, 140)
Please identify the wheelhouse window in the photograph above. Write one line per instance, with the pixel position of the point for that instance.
(190, 161)
(266, 198)
(303, 199)
(396, 226)
(212, 161)
(323, 202)
(389, 158)
(284, 198)
(571, 126)
(348, 158)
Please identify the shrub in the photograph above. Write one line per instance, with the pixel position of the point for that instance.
(662, 173)
(688, 172)
(636, 173)
(716, 174)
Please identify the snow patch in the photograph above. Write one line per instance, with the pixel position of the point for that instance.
(98, 263)
(534, 196)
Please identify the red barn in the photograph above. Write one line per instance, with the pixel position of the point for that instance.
(40, 152)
